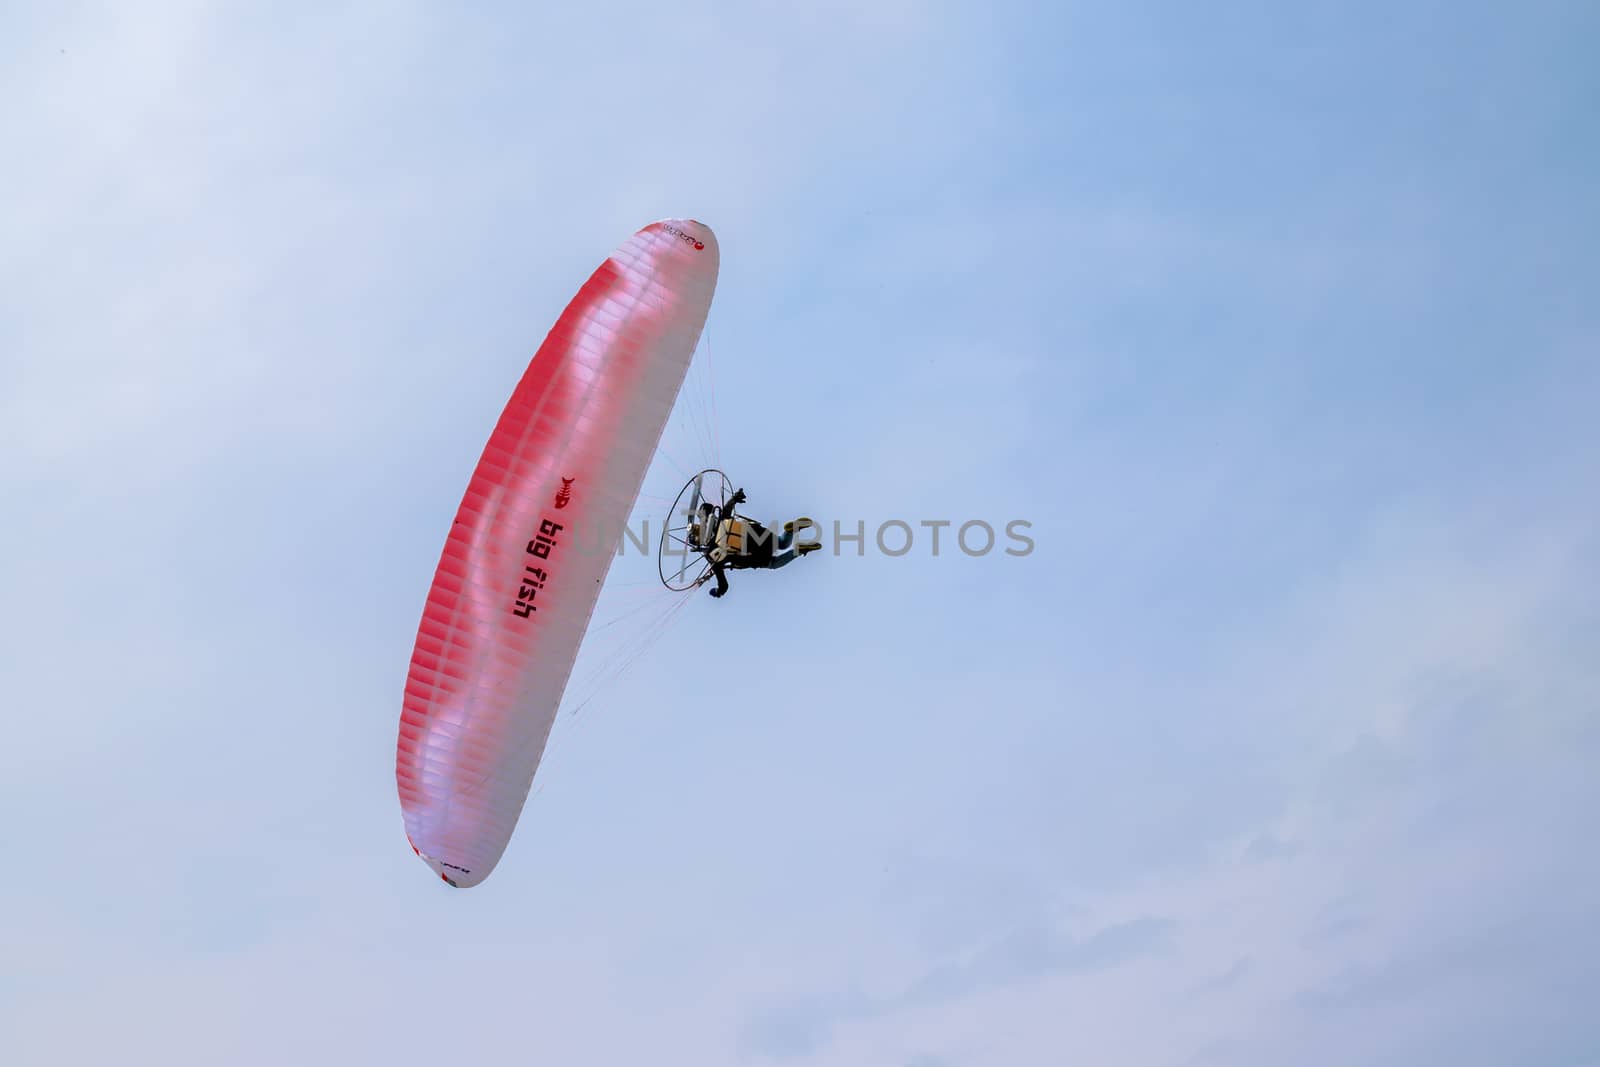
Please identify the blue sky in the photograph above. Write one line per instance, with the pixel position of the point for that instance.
(1277, 322)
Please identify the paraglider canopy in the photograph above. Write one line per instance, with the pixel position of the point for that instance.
(514, 589)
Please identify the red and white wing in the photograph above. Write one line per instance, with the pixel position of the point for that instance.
(533, 539)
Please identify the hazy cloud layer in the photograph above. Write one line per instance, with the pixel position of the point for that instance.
(1277, 325)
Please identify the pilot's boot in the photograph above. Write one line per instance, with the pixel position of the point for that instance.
(801, 523)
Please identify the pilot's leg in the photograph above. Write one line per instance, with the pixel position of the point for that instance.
(787, 547)
(791, 531)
